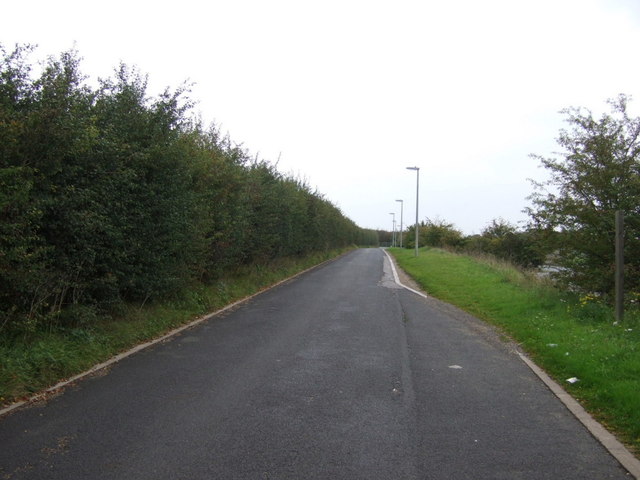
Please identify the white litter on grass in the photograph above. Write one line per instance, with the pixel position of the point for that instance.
(455, 366)
(573, 379)
(552, 344)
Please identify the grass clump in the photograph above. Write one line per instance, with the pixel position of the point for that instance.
(32, 360)
(566, 334)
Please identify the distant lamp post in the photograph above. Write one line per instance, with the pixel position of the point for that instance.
(393, 235)
(417, 169)
(401, 226)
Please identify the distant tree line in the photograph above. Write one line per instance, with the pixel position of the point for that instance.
(108, 195)
(499, 238)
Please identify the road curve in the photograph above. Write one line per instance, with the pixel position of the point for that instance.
(338, 374)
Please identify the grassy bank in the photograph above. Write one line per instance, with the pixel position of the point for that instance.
(567, 335)
(32, 361)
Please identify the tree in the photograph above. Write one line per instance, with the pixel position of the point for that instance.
(597, 173)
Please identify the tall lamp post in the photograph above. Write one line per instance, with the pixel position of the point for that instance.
(401, 208)
(417, 169)
(393, 235)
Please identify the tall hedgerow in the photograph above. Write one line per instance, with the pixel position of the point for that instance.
(111, 195)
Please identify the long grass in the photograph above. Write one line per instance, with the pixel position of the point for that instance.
(567, 335)
(33, 361)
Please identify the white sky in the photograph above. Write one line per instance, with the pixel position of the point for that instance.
(350, 92)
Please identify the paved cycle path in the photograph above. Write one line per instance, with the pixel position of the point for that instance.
(338, 374)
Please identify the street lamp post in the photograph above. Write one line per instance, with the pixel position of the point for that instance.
(401, 226)
(417, 169)
(393, 235)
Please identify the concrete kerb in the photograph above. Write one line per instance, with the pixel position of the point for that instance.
(608, 441)
(115, 359)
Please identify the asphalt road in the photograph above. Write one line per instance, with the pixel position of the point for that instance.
(337, 374)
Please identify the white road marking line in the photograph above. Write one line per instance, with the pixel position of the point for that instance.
(397, 279)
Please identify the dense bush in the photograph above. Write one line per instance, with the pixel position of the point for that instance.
(108, 195)
(526, 248)
(434, 233)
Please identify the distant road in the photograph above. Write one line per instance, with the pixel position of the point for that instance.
(337, 374)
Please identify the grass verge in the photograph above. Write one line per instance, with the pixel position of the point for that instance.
(33, 361)
(567, 335)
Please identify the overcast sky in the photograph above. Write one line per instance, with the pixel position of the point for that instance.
(348, 93)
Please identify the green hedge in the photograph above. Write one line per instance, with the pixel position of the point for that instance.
(108, 195)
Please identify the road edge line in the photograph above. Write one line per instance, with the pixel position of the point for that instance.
(601, 434)
(122, 355)
(396, 278)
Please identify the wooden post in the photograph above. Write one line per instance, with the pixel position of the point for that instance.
(619, 266)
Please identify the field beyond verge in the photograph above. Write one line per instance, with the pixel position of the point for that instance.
(32, 361)
(567, 335)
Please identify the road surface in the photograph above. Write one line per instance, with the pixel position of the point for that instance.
(338, 374)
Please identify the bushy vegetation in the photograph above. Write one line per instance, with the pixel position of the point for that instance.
(434, 233)
(526, 248)
(109, 195)
(501, 239)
